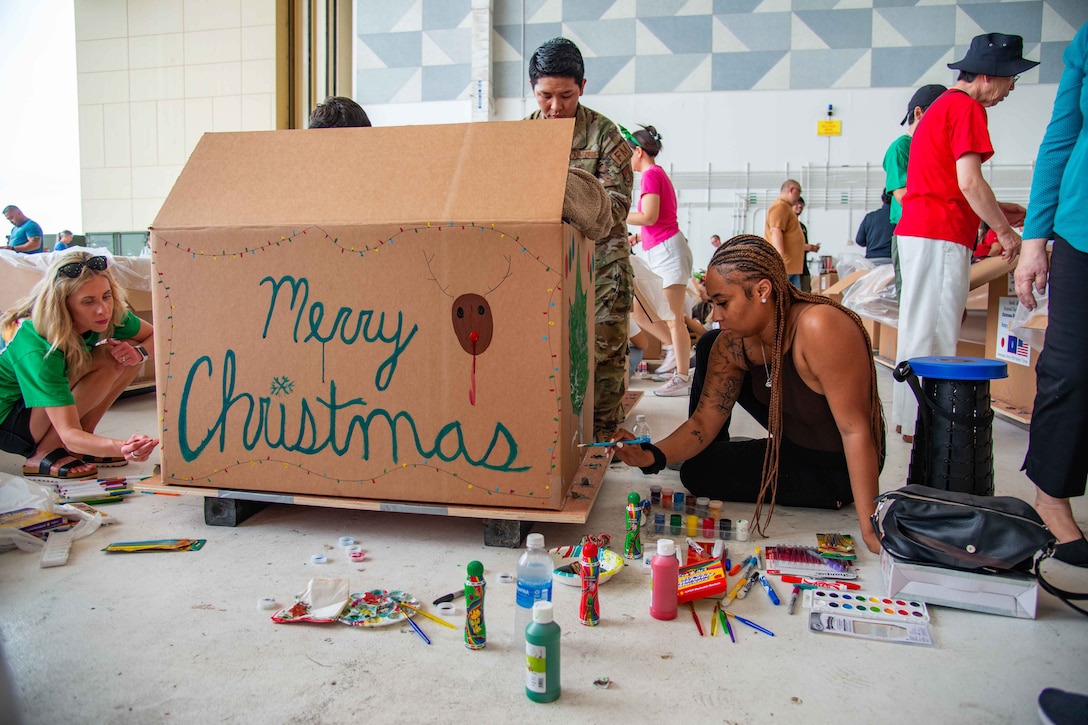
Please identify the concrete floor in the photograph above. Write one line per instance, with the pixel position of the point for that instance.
(177, 637)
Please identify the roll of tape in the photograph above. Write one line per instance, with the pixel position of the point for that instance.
(319, 559)
(447, 608)
(505, 578)
(347, 540)
(266, 603)
(354, 548)
(357, 556)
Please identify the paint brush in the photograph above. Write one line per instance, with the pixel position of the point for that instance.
(414, 625)
(428, 615)
(612, 444)
(698, 624)
(714, 619)
(728, 629)
(749, 622)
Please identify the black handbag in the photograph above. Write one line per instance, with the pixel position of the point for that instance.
(988, 534)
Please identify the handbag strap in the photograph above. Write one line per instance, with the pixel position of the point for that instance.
(1057, 591)
(904, 374)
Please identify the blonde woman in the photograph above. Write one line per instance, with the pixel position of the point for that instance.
(72, 347)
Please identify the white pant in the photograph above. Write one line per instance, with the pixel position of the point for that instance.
(936, 279)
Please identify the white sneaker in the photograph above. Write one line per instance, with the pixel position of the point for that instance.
(678, 385)
(669, 364)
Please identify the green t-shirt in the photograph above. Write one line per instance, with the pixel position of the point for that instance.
(895, 172)
(28, 371)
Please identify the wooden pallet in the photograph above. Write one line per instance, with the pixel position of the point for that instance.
(228, 507)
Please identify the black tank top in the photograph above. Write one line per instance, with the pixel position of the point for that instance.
(806, 416)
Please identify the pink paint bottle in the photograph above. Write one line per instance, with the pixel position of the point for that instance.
(665, 570)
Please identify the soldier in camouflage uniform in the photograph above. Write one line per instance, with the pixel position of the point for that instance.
(556, 72)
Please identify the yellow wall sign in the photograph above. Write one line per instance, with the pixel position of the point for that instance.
(829, 128)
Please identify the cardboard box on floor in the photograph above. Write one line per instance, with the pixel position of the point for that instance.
(975, 340)
(382, 313)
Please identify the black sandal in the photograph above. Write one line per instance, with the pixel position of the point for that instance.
(105, 461)
(45, 467)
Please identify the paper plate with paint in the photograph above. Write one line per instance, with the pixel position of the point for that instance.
(569, 574)
(377, 608)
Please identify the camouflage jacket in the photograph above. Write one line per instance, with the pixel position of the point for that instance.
(598, 148)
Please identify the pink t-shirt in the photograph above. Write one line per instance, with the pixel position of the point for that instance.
(656, 181)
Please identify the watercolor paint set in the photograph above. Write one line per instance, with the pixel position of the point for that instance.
(862, 605)
(806, 561)
(826, 623)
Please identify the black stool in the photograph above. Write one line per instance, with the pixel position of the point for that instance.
(953, 438)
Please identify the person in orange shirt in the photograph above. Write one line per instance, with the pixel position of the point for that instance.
(783, 230)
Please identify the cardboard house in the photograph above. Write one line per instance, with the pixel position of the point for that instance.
(396, 314)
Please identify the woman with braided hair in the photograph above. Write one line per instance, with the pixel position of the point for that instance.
(802, 366)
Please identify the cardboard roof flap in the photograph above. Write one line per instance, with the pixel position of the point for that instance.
(498, 171)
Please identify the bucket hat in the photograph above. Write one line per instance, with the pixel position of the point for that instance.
(995, 54)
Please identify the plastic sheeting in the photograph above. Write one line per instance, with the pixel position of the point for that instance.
(873, 296)
(130, 272)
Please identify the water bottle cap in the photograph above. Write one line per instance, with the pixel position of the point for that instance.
(542, 612)
(640, 418)
(534, 541)
(666, 547)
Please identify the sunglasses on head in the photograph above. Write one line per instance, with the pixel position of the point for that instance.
(74, 269)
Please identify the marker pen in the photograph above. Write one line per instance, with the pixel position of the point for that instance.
(770, 590)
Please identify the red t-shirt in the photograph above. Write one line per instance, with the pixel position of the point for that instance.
(934, 207)
(656, 181)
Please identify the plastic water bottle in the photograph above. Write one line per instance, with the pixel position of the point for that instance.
(534, 583)
(542, 655)
(641, 428)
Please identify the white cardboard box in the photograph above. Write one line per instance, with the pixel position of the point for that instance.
(1011, 595)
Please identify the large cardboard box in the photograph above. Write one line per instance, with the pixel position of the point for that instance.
(390, 313)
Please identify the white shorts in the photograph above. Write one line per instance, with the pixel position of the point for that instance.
(671, 260)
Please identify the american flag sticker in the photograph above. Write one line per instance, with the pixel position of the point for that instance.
(1010, 348)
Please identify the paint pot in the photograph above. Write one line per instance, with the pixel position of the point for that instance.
(689, 505)
(692, 525)
(725, 529)
(678, 501)
(742, 529)
(666, 498)
(675, 524)
(702, 507)
(708, 528)
(659, 523)
(655, 495)
(715, 509)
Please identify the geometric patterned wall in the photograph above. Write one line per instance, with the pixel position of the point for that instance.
(419, 50)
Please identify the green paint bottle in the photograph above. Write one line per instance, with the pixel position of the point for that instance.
(542, 655)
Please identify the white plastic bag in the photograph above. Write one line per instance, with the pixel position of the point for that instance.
(19, 493)
(1023, 316)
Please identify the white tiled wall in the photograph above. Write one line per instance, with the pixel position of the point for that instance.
(154, 76)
